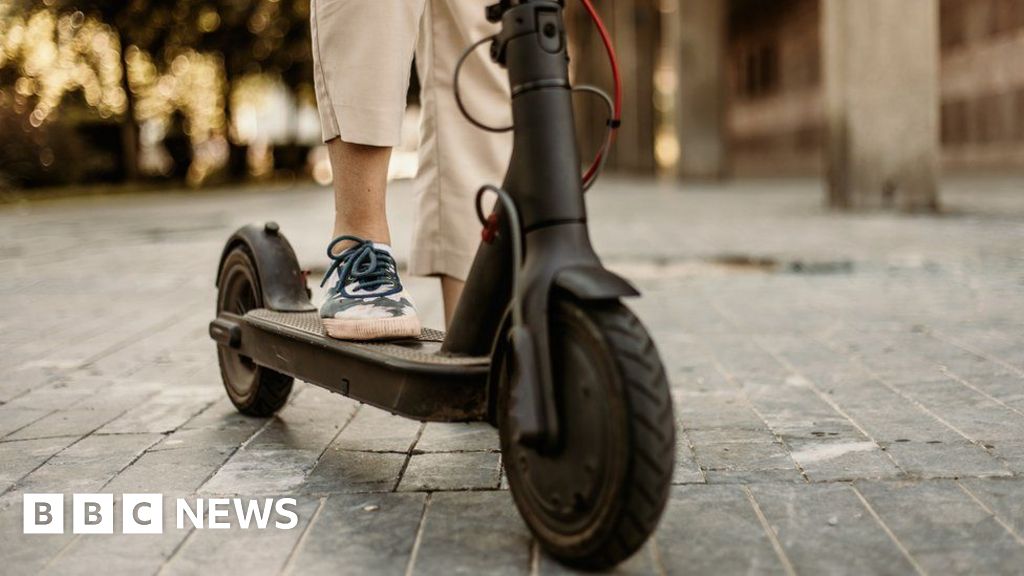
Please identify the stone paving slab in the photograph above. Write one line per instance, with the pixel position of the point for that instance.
(715, 530)
(23, 554)
(117, 553)
(825, 529)
(441, 437)
(472, 533)
(250, 552)
(377, 431)
(952, 534)
(21, 458)
(454, 471)
(364, 533)
(290, 444)
(1003, 498)
(349, 471)
(86, 465)
(848, 391)
(830, 460)
(84, 418)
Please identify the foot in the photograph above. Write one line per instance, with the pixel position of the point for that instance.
(367, 302)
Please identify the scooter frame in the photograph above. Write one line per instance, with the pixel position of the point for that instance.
(544, 182)
(539, 345)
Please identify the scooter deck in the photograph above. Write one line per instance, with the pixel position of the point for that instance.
(412, 377)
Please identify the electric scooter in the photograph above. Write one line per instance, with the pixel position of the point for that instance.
(540, 344)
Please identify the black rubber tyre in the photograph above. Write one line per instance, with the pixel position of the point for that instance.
(253, 389)
(595, 500)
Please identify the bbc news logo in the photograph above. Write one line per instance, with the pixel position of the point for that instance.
(144, 513)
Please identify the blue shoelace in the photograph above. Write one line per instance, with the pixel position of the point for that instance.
(367, 266)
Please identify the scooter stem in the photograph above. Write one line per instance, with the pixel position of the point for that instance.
(545, 183)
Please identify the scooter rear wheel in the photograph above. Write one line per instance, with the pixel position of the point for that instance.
(253, 389)
(595, 500)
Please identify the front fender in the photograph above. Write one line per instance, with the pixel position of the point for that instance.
(281, 281)
(593, 282)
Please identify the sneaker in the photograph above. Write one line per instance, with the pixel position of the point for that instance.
(367, 302)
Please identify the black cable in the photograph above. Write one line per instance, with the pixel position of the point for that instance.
(609, 130)
(611, 123)
(458, 96)
(517, 242)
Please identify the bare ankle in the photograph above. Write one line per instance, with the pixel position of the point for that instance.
(360, 189)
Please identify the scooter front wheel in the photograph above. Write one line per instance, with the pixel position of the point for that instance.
(254, 390)
(595, 499)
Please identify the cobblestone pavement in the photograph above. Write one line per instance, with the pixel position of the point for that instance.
(849, 391)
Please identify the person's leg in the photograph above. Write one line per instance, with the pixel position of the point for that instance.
(456, 158)
(362, 52)
(360, 187)
(451, 291)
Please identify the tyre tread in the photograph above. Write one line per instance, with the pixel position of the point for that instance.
(653, 428)
(272, 388)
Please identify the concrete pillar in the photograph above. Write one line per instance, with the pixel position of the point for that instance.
(634, 27)
(701, 96)
(880, 60)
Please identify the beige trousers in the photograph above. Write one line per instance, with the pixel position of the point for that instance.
(363, 52)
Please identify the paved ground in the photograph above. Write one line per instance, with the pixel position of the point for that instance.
(849, 391)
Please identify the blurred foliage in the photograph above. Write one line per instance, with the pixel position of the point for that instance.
(66, 65)
(37, 156)
(46, 55)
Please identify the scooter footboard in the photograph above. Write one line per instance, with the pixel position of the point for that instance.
(411, 378)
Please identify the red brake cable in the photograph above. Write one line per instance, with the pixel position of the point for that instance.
(616, 120)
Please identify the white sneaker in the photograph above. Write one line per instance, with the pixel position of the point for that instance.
(368, 301)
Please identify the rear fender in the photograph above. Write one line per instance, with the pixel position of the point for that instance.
(282, 282)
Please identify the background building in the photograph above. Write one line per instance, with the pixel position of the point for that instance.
(775, 85)
(878, 97)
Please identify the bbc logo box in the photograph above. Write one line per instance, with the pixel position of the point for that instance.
(43, 514)
(144, 513)
(92, 514)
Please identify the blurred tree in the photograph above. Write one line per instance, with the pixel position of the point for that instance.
(253, 37)
(146, 24)
(292, 56)
(248, 37)
(57, 66)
